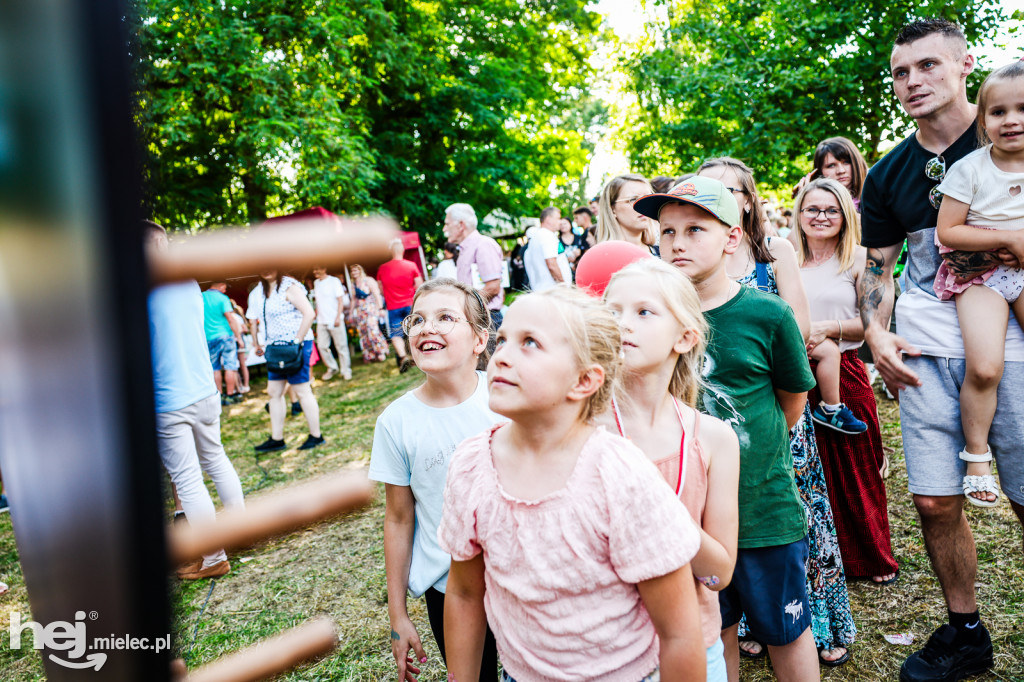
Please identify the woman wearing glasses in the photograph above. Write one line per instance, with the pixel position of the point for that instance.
(616, 217)
(412, 443)
(831, 263)
(770, 264)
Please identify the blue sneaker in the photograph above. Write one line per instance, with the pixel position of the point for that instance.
(3, 504)
(842, 420)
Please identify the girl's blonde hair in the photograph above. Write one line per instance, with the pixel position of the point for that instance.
(594, 335)
(472, 305)
(849, 233)
(1008, 72)
(607, 225)
(683, 303)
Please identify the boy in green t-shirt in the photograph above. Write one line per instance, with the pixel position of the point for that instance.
(757, 377)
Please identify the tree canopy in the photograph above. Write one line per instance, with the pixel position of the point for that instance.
(766, 80)
(257, 107)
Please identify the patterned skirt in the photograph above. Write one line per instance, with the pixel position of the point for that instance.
(855, 484)
(375, 346)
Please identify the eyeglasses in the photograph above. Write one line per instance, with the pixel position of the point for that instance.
(631, 200)
(935, 169)
(443, 323)
(813, 212)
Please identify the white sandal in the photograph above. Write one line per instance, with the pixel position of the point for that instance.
(979, 484)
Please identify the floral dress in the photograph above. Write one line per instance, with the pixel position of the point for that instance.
(831, 618)
(366, 314)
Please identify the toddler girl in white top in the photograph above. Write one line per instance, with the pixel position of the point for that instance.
(412, 445)
(563, 536)
(984, 190)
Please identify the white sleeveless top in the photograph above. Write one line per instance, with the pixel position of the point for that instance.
(832, 294)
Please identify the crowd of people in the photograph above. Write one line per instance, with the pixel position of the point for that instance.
(677, 460)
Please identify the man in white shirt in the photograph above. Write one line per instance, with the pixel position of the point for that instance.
(331, 302)
(544, 265)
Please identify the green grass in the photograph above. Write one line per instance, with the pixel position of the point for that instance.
(337, 568)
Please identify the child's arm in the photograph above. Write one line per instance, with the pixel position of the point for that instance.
(791, 284)
(954, 233)
(671, 601)
(792, 405)
(716, 559)
(465, 623)
(399, 522)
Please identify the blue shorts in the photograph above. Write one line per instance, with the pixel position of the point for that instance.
(770, 586)
(395, 318)
(223, 353)
(300, 377)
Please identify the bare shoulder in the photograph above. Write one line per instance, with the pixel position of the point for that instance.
(717, 436)
(860, 260)
(782, 249)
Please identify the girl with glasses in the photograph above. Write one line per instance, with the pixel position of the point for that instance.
(412, 444)
(984, 190)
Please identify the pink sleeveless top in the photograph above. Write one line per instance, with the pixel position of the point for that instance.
(693, 493)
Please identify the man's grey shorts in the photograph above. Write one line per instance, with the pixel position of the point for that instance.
(932, 436)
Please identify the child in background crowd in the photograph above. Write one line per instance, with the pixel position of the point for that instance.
(663, 342)
(412, 445)
(983, 190)
(562, 535)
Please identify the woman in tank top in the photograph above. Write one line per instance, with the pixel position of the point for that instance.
(831, 260)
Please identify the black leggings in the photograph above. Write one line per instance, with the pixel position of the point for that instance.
(435, 612)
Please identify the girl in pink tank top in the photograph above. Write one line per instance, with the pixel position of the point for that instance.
(663, 339)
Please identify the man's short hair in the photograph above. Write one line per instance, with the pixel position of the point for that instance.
(548, 212)
(923, 28)
(462, 213)
(584, 209)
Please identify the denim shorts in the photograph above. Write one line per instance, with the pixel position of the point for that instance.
(932, 436)
(395, 318)
(223, 353)
(769, 584)
(300, 377)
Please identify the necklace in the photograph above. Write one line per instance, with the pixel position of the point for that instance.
(730, 291)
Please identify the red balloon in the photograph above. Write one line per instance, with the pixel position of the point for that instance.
(603, 260)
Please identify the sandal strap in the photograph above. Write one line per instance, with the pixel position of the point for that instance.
(981, 484)
(983, 457)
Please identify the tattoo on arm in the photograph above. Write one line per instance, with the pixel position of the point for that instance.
(966, 265)
(872, 286)
(395, 635)
(708, 580)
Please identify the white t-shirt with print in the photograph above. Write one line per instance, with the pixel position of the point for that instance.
(412, 445)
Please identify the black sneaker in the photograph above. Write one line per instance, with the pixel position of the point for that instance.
(296, 409)
(405, 365)
(270, 445)
(943, 660)
(311, 442)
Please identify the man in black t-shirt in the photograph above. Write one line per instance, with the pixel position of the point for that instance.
(930, 64)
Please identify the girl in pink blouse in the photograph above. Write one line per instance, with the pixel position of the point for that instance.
(563, 537)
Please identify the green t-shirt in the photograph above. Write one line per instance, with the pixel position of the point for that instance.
(215, 304)
(755, 347)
